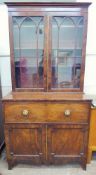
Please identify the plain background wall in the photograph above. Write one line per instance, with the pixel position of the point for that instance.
(90, 67)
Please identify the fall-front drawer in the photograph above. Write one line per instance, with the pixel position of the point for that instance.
(46, 112)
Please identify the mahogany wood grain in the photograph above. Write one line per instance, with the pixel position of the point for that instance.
(64, 139)
(46, 96)
(63, 150)
(46, 112)
(27, 145)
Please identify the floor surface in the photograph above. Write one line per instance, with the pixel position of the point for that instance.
(43, 170)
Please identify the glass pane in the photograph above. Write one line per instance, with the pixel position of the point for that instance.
(67, 36)
(29, 51)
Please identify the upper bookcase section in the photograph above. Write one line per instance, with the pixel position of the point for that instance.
(48, 45)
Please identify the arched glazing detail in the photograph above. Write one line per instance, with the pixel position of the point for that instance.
(67, 37)
(28, 34)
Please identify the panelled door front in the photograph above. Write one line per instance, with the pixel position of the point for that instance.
(66, 143)
(25, 142)
(47, 143)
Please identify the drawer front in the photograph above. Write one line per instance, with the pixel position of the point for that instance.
(68, 112)
(15, 112)
(46, 112)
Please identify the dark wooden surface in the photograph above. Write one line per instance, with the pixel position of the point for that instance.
(67, 144)
(50, 143)
(28, 144)
(66, 4)
(46, 135)
(47, 112)
(45, 96)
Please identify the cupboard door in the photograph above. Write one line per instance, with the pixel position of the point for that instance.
(25, 143)
(29, 52)
(66, 52)
(67, 144)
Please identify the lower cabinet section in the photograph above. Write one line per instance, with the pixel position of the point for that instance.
(46, 143)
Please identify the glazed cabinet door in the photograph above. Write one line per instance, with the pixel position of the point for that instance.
(25, 143)
(66, 52)
(28, 53)
(67, 144)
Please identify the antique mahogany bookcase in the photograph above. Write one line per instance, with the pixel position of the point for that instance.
(47, 115)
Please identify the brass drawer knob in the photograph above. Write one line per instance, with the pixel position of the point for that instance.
(25, 112)
(67, 112)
